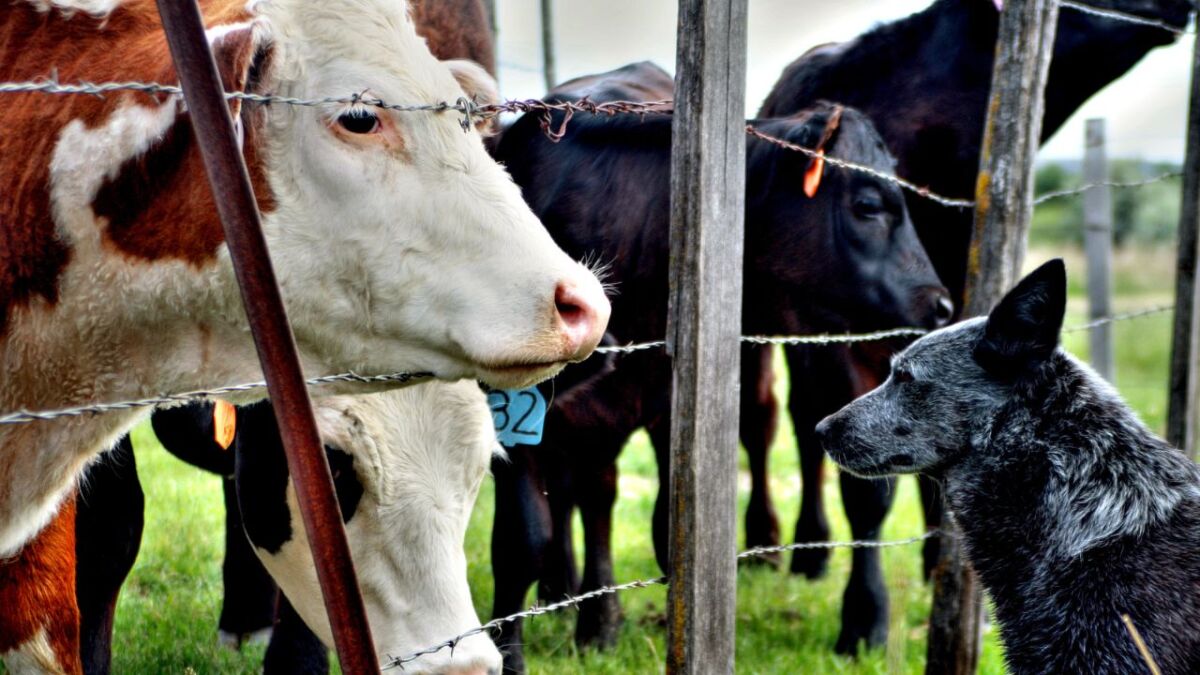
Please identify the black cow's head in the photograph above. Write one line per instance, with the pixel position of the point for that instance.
(846, 257)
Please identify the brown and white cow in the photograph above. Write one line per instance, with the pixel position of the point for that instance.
(399, 245)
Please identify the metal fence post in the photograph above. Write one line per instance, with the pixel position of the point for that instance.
(549, 66)
(708, 156)
(273, 338)
(1183, 409)
(1004, 208)
(1098, 244)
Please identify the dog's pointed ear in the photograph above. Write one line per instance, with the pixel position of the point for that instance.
(1022, 331)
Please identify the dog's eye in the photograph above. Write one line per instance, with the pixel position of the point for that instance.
(901, 376)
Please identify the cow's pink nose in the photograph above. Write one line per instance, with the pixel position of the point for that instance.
(583, 315)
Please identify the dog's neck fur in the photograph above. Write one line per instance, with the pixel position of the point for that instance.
(1049, 497)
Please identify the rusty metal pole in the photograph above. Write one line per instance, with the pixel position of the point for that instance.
(273, 338)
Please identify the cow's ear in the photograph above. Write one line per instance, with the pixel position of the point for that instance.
(478, 85)
(1022, 331)
(242, 53)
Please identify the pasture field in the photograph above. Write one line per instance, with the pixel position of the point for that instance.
(166, 621)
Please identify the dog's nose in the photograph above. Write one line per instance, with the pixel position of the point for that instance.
(825, 430)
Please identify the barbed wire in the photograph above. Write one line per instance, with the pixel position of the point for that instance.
(1137, 314)
(1123, 16)
(27, 416)
(575, 601)
(881, 175)
(1057, 194)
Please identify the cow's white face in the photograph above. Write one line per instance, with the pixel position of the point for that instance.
(400, 244)
(418, 455)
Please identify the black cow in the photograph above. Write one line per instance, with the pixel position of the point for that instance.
(924, 81)
(846, 259)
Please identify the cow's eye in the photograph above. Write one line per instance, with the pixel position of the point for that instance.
(901, 376)
(868, 204)
(359, 121)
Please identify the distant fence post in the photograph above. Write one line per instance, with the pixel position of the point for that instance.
(549, 66)
(1004, 208)
(708, 156)
(1182, 408)
(1098, 244)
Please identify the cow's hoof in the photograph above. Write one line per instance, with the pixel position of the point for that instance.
(599, 623)
(864, 620)
(811, 562)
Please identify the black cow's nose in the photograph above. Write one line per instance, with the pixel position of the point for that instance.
(943, 309)
(824, 430)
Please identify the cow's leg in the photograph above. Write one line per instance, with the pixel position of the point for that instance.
(521, 532)
(758, 424)
(931, 503)
(109, 517)
(812, 524)
(660, 438)
(248, 604)
(865, 602)
(560, 574)
(39, 616)
(294, 649)
(599, 618)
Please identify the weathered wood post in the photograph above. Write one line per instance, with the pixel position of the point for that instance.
(238, 210)
(708, 156)
(549, 67)
(1004, 208)
(1098, 244)
(1183, 409)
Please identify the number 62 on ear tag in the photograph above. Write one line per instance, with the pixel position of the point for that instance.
(518, 415)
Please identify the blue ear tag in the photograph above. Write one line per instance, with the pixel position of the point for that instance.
(518, 415)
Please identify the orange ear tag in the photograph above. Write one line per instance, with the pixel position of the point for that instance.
(812, 177)
(224, 423)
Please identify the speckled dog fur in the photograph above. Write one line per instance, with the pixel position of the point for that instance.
(1074, 513)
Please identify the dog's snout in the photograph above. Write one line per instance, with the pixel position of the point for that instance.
(826, 429)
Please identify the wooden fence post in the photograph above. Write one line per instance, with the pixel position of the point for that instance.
(1004, 208)
(708, 156)
(1098, 243)
(549, 66)
(1182, 408)
(238, 210)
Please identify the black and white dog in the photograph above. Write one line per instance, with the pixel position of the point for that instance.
(1074, 513)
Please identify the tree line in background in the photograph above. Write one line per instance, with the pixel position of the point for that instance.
(1142, 216)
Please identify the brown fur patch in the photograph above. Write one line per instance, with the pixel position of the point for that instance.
(456, 29)
(126, 45)
(37, 592)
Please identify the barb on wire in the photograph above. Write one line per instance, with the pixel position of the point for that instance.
(398, 662)
(96, 408)
(1119, 317)
(1123, 16)
(886, 177)
(1043, 198)
(858, 543)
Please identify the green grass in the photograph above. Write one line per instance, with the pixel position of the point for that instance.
(166, 621)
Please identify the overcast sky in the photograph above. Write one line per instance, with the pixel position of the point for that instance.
(1146, 110)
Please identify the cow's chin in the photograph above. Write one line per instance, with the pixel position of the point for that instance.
(517, 375)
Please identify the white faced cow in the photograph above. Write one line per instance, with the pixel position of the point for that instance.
(398, 243)
(407, 465)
